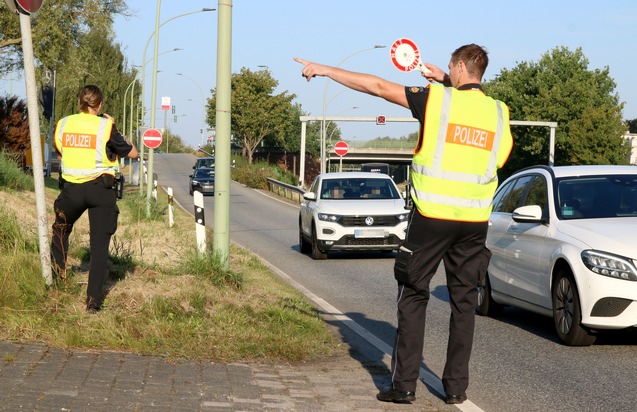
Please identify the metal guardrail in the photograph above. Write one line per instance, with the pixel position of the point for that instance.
(285, 190)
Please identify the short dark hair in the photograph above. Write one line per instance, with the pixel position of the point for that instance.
(474, 57)
(90, 96)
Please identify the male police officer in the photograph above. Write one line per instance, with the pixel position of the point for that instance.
(464, 138)
(89, 145)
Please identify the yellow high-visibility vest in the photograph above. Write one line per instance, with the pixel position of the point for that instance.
(466, 138)
(81, 139)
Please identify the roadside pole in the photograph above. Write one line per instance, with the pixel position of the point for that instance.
(153, 106)
(36, 146)
(221, 215)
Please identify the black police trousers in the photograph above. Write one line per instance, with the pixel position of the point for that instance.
(461, 247)
(100, 199)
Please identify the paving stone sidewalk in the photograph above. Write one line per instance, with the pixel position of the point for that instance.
(35, 377)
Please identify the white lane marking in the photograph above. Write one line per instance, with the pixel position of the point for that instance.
(426, 377)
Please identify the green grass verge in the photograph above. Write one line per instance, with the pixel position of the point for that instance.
(164, 298)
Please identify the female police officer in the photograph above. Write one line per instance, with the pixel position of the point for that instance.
(89, 146)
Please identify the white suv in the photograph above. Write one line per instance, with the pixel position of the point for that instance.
(564, 244)
(352, 211)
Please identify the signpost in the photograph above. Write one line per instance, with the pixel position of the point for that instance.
(341, 149)
(151, 138)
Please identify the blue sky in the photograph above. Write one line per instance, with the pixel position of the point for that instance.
(328, 31)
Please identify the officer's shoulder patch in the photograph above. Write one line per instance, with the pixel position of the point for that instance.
(416, 89)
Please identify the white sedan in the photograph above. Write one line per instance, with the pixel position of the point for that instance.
(352, 211)
(564, 244)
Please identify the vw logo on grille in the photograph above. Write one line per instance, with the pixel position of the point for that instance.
(369, 221)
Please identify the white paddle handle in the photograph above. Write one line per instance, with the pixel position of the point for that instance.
(423, 68)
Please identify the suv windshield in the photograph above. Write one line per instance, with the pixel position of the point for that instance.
(202, 173)
(204, 162)
(588, 197)
(358, 188)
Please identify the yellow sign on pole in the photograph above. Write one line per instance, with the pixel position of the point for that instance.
(29, 155)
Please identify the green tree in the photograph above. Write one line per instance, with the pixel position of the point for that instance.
(291, 139)
(57, 28)
(256, 111)
(560, 88)
(97, 60)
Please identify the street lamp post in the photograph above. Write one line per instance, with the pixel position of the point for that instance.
(152, 119)
(203, 100)
(204, 130)
(325, 103)
(133, 92)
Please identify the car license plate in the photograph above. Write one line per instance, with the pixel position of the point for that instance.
(358, 233)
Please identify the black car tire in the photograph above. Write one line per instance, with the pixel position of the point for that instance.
(567, 312)
(317, 254)
(304, 245)
(486, 305)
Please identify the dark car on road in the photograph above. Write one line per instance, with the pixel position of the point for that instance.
(203, 180)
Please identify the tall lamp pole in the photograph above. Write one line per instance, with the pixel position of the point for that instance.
(325, 103)
(157, 27)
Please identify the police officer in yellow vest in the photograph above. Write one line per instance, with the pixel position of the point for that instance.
(89, 146)
(464, 138)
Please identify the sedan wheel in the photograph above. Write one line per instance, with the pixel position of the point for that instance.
(567, 313)
(317, 254)
(486, 305)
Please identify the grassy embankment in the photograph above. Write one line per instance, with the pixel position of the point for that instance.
(163, 297)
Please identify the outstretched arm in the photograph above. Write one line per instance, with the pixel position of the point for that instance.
(366, 83)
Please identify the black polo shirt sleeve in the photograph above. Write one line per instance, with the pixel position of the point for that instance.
(417, 99)
(117, 143)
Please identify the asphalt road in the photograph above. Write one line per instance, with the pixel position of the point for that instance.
(517, 363)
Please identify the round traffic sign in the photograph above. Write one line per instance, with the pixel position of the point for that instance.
(341, 148)
(29, 6)
(152, 138)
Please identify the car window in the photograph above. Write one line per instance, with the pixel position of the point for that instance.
(512, 198)
(204, 162)
(537, 194)
(201, 173)
(586, 197)
(314, 187)
(500, 194)
(358, 188)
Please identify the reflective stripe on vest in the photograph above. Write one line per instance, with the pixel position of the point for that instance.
(458, 195)
(82, 158)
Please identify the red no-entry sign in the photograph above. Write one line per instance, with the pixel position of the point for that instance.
(341, 148)
(152, 138)
(29, 6)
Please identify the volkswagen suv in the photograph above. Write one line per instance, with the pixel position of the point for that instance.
(351, 211)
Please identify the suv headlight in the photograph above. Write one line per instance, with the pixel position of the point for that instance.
(403, 217)
(610, 265)
(329, 217)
